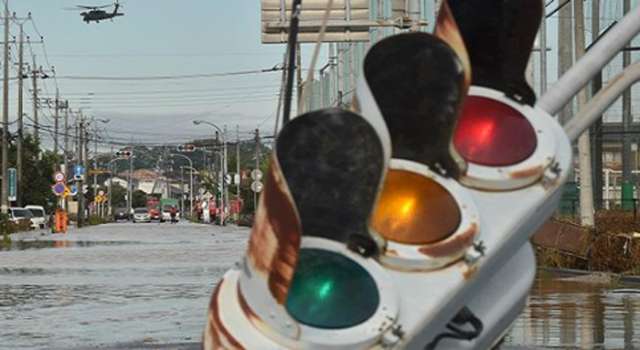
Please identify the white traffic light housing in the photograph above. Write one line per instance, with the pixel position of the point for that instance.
(405, 225)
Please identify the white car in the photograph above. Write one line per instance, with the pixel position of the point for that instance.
(141, 215)
(17, 214)
(39, 219)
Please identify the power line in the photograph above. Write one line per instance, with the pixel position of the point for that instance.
(171, 77)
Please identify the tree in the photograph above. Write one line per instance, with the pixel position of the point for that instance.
(139, 199)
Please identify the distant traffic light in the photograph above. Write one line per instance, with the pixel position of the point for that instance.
(124, 154)
(186, 148)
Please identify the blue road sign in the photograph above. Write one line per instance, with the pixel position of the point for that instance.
(58, 188)
(13, 184)
(78, 170)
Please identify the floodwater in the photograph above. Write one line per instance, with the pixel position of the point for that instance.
(568, 313)
(147, 286)
(113, 286)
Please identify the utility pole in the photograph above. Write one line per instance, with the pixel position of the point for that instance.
(80, 183)
(86, 154)
(109, 193)
(255, 194)
(130, 185)
(543, 52)
(225, 172)
(238, 171)
(182, 191)
(565, 56)
(596, 129)
(584, 148)
(5, 115)
(627, 119)
(66, 138)
(20, 121)
(56, 117)
(95, 163)
(34, 82)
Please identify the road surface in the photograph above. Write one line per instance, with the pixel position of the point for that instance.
(118, 285)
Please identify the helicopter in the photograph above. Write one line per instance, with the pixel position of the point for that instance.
(96, 13)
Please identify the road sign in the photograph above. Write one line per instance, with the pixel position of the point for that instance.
(73, 190)
(256, 174)
(59, 189)
(256, 186)
(13, 184)
(58, 176)
(78, 172)
(227, 179)
(348, 21)
(236, 178)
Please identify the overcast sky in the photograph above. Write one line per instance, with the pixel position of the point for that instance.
(157, 38)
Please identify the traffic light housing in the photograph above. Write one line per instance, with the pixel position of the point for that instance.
(125, 154)
(186, 148)
(404, 221)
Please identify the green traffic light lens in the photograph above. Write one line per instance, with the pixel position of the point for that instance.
(331, 291)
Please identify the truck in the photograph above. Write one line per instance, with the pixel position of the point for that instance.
(153, 205)
(165, 208)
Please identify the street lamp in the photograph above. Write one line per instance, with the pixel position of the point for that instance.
(95, 155)
(223, 167)
(190, 182)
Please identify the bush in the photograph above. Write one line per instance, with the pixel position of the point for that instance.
(95, 220)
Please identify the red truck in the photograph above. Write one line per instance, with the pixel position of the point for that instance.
(153, 205)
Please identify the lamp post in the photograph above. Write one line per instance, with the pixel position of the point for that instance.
(190, 182)
(95, 158)
(223, 162)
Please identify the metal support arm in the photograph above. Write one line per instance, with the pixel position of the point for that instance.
(601, 101)
(592, 62)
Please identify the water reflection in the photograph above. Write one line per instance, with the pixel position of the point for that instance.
(565, 314)
(43, 244)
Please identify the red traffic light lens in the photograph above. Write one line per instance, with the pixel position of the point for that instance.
(492, 133)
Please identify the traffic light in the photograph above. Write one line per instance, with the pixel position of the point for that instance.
(124, 154)
(186, 148)
(405, 222)
(310, 247)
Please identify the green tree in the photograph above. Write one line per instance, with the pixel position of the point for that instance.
(139, 199)
(37, 173)
(118, 196)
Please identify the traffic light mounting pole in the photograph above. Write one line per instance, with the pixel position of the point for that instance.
(591, 63)
(601, 101)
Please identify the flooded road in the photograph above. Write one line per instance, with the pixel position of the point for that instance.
(123, 285)
(575, 313)
(147, 286)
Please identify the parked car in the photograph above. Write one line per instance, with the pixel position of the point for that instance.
(120, 214)
(141, 215)
(40, 217)
(20, 214)
(166, 214)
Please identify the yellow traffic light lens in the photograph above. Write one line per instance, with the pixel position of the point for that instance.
(414, 209)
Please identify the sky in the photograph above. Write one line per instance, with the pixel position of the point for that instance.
(156, 38)
(176, 37)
